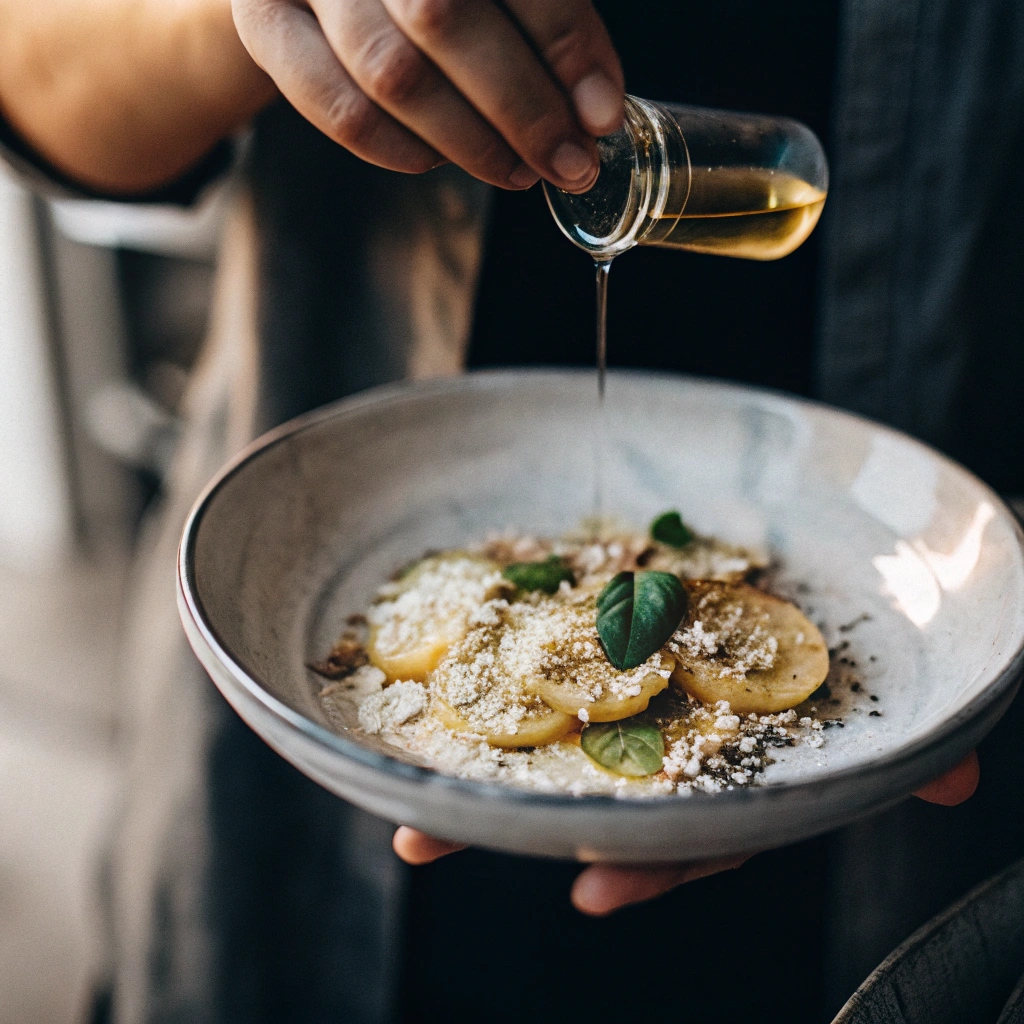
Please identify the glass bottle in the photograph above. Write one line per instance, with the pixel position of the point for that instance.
(712, 181)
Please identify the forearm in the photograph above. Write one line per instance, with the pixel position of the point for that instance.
(124, 95)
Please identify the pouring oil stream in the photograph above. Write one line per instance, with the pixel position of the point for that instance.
(601, 269)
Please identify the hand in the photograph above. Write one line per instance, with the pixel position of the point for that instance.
(509, 91)
(603, 888)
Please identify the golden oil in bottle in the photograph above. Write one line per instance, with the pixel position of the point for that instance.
(711, 181)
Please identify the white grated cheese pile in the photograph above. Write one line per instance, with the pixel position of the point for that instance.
(479, 681)
(449, 595)
(726, 633)
(487, 676)
(713, 749)
(390, 708)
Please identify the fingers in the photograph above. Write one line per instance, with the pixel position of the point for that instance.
(509, 92)
(575, 45)
(956, 786)
(418, 848)
(400, 79)
(483, 53)
(286, 41)
(604, 888)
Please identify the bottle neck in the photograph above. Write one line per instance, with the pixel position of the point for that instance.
(643, 183)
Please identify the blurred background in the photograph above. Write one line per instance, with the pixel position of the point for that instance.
(102, 311)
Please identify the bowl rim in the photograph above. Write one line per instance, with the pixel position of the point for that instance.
(337, 745)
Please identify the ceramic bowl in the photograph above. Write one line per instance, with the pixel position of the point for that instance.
(913, 567)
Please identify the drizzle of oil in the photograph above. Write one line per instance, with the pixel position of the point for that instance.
(601, 269)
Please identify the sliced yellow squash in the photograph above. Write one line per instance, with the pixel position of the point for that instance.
(537, 728)
(565, 692)
(739, 644)
(478, 690)
(427, 610)
(552, 648)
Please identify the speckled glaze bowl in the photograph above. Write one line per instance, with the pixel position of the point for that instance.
(902, 556)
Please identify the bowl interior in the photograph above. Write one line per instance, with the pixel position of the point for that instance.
(901, 555)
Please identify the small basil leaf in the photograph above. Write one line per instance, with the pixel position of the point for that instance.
(546, 575)
(670, 529)
(629, 747)
(637, 613)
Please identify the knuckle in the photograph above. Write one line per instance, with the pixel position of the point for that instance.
(567, 47)
(433, 18)
(352, 120)
(269, 15)
(257, 21)
(394, 72)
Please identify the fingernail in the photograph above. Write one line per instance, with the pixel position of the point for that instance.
(572, 163)
(523, 177)
(599, 103)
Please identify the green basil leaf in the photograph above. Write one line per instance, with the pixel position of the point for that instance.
(637, 613)
(670, 529)
(546, 575)
(629, 747)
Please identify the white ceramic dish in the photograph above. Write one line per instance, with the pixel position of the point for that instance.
(878, 530)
